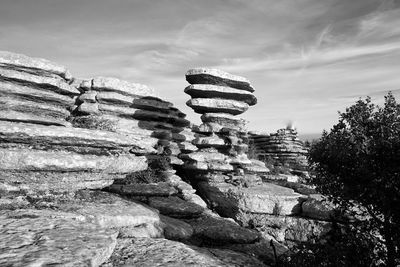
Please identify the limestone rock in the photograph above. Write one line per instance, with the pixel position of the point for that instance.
(61, 161)
(225, 120)
(223, 92)
(213, 105)
(168, 253)
(175, 207)
(217, 77)
(88, 97)
(16, 116)
(148, 190)
(175, 229)
(32, 65)
(221, 231)
(266, 198)
(52, 135)
(34, 108)
(54, 84)
(28, 93)
(119, 86)
(112, 98)
(39, 238)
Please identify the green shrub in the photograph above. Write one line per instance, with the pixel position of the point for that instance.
(153, 174)
(93, 122)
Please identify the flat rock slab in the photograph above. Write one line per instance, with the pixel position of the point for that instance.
(175, 229)
(29, 93)
(225, 120)
(217, 77)
(36, 181)
(24, 160)
(54, 84)
(44, 238)
(148, 252)
(111, 211)
(119, 86)
(215, 105)
(40, 118)
(146, 190)
(223, 92)
(176, 207)
(31, 134)
(265, 198)
(222, 231)
(32, 65)
(106, 210)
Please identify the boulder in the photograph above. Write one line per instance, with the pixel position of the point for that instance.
(267, 198)
(224, 119)
(220, 231)
(44, 237)
(217, 77)
(175, 207)
(213, 105)
(223, 92)
(175, 229)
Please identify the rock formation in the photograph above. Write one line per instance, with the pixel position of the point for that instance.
(282, 148)
(71, 152)
(234, 185)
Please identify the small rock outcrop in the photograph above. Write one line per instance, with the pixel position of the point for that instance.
(283, 148)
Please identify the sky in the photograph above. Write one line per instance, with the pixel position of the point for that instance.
(306, 59)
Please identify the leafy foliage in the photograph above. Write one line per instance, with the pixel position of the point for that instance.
(357, 164)
(342, 247)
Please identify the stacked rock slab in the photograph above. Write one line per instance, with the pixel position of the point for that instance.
(221, 138)
(128, 108)
(220, 169)
(39, 149)
(282, 147)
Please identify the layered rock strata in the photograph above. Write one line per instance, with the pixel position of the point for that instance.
(39, 148)
(128, 108)
(221, 171)
(283, 148)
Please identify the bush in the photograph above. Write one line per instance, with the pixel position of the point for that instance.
(357, 165)
(93, 122)
(153, 174)
(341, 247)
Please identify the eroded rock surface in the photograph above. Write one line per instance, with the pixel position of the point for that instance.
(162, 252)
(43, 238)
